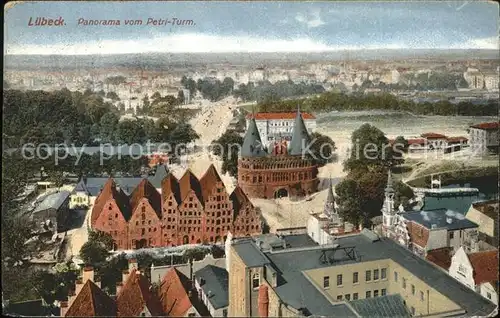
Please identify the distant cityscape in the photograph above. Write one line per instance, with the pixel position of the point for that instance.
(345, 166)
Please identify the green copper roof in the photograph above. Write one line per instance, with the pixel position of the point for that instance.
(300, 136)
(252, 145)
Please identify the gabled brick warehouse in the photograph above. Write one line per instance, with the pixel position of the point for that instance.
(188, 211)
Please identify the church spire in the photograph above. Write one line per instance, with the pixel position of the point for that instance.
(300, 136)
(389, 187)
(330, 204)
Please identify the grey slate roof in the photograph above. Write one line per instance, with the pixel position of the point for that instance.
(300, 136)
(251, 255)
(160, 174)
(252, 144)
(214, 283)
(389, 306)
(52, 201)
(439, 217)
(158, 272)
(456, 203)
(94, 185)
(295, 289)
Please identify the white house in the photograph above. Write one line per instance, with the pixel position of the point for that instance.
(274, 126)
(478, 271)
(484, 137)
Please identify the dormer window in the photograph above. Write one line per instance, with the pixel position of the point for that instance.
(255, 281)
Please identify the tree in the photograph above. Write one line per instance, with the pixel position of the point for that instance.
(112, 95)
(93, 253)
(371, 149)
(96, 249)
(180, 97)
(227, 148)
(323, 148)
(108, 125)
(146, 104)
(402, 195)
(182, 135)
(401, 144)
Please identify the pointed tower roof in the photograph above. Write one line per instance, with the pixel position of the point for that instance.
(389, 187)
(300, 136)
(330, 201)
(252, 144)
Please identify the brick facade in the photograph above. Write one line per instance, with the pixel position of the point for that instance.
(275, 176)
(189, 211)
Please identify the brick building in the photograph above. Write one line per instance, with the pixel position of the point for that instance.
(135, 296)
(188, 211)
(284, 170)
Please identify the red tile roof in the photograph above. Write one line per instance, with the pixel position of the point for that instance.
(239, 199)
(110, 191)
(486, 126)
(189, 182)
(419, 235)
(174, 297)
(441, 257)
(485, 265)
(417, 141)
(208, 181)
(146, 190)
(433, 136)
(135, 295)
(280, 115)
(92, 302)
(457, 139)
(170, 185)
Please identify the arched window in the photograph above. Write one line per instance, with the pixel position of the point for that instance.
(143, 209)
(255, 280)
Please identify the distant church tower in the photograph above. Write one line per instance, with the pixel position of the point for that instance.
(388, 211)
(329, 209)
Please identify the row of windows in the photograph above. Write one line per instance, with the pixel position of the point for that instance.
(355, 277)
(412, 288)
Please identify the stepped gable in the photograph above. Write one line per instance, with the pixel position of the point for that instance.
(91, 301)
(135, 295)
(174, 296)
(170, 185)
(208, 181)
(300, 136)
(239, 199)
(146, 190)
(189, 182)
(252, 144)
(110, 191)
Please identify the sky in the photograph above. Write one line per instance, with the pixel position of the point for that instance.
(220, 27)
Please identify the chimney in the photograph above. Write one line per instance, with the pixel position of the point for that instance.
(263, 301)
(449, 220)
(78, 288)
(88, 274)
(191, 269)
(64, 308)
(125, 275)
(97, 281)
(132, 263)
(119, 286)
